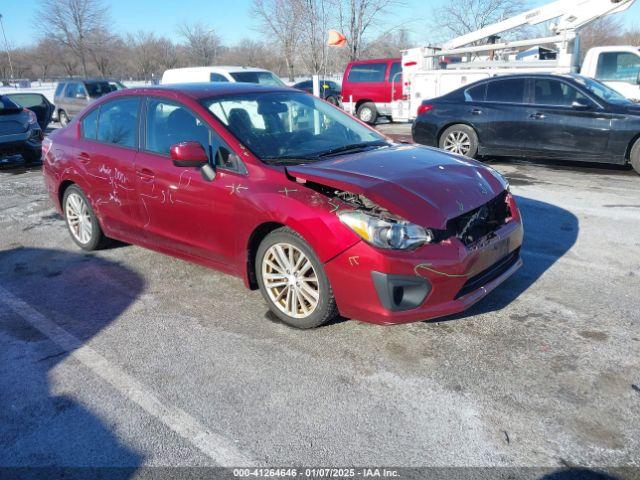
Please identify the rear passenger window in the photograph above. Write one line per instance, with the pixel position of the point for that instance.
(368, 72)
(59, 89)
(90, 125)
(476, 94)
(216, 77)
(506, 91)
(118, 122)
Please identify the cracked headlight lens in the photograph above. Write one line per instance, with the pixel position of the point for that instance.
(385, 233)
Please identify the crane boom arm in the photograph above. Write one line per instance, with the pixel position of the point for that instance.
(573, 15)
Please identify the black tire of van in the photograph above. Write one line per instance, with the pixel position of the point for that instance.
(368, 113)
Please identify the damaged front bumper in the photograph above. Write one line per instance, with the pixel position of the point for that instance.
(392, 287)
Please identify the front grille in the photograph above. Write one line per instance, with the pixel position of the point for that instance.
(476, 224)
(490, 274)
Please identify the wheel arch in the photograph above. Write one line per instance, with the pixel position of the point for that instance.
(361, 102)
(63, 188)
(256, 237)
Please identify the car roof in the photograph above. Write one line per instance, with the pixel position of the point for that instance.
(207, 90)
(83, 80)
(219, 68)
(534, 74)
(375, 60)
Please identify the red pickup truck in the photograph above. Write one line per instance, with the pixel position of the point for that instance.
(369, 86)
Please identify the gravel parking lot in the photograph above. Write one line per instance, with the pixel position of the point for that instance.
(126, 357)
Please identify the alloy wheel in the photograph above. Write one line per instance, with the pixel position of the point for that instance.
(458, 142)
(366, 115)
(290, 280)
(79, 218)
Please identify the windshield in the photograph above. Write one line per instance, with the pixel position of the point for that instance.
(98, 89)
(600, 90)
(263, 78)
(291, 126)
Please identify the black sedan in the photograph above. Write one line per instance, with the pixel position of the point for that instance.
(549, 116)
(329, 90)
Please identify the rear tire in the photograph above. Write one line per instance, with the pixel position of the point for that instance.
(634, 158)
(460, 139)
(368, 113)
(333, 100)
(293, 282)
(81, 220)
(32, 156)
(63, 118)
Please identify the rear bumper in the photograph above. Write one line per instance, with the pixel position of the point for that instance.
(30, 140)
(439, 280)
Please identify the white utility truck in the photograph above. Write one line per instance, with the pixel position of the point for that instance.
(429, 72)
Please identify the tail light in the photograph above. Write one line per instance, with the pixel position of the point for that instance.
(424, 109)
(46, 146)
(32, 116)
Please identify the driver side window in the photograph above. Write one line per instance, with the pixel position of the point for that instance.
(169, 123)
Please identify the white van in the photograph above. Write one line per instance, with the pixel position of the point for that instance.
(221, 74)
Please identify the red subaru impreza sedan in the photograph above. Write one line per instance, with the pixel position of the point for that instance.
(320, 212)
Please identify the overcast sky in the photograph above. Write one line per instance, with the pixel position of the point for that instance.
(230, 19)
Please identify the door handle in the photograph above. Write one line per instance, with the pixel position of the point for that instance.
(84, 157)
(476, 111)
(145, 174)
(537, 116)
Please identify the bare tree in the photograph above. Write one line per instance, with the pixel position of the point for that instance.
(389, 44)
(604, 31)
(357, 17)
(73, 23)
(315, 18)
(282, 19)
(202, 43)
(456, 18)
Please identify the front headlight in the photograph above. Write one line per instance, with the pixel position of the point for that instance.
(386, 233)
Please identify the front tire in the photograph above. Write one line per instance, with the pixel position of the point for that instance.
(293, 282)
(368, 113)
(81, 220)
(460, 139)
(635, 157)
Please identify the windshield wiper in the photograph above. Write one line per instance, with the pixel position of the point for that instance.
(287, 159)
(352, 147)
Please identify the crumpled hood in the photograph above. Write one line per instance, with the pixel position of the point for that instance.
(423, 185)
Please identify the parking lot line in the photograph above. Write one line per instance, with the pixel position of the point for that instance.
(217, 447)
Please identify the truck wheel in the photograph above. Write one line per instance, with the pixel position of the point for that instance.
(293, 282)
(368, 113)
(460, 139)
(63, 118)
(635, 157)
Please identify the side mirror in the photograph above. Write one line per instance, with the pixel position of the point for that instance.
(81, 96)
(581, 105)
(188, 154)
